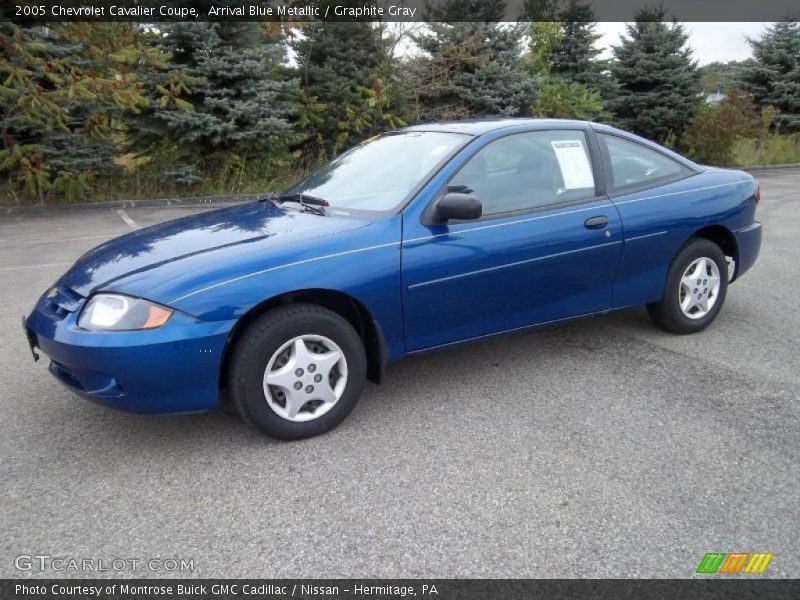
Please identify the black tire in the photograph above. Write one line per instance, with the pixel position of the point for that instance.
(667, 313)
(262, 339)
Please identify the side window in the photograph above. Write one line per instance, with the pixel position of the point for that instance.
(634, 165)
(528, 170)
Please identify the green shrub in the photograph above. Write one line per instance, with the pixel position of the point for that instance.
(714, 130)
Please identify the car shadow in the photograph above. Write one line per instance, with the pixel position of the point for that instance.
(552, 340)
(409, 384)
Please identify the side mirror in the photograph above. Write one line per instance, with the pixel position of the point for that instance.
(458, 206)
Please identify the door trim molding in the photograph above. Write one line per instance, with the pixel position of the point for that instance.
(510, 265)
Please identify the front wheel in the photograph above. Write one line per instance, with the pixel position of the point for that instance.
(695, 290)
(297, 371)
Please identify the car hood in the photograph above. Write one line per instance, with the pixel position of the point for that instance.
(259, 225)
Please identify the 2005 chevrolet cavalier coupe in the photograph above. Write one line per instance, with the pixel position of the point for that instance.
(412, 241)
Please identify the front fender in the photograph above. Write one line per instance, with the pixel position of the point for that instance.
(364, 264)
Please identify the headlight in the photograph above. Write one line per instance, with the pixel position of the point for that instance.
(114, 312)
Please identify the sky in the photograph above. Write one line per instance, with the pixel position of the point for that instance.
(711, 41)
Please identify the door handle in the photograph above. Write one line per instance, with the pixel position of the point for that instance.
(596, 222)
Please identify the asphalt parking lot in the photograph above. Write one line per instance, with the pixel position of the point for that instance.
(601, 448)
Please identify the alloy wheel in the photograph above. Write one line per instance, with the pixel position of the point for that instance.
(699, 288)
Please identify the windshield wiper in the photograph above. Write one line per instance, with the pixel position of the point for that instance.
(309, 203)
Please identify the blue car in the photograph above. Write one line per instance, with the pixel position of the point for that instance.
(412, 241)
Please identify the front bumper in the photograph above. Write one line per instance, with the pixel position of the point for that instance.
(172, 369)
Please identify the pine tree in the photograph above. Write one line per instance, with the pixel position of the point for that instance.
(65, 88)
(241, 100)
(540, 11)
(562, 54)
(348, 87)
(560, 98)
(773, 79)
(659, 83)
(574, 56)
(471, 68)
(463, 11)
(166, 87)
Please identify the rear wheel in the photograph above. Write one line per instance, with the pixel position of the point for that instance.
(695, 290)
(297, 371)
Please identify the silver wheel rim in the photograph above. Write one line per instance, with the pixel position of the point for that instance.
(305, 378)
(699, 288)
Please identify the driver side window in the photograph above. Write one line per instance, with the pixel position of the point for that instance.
(529, 170)
(636, 166)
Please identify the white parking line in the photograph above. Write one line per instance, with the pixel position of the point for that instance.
(124, 216)
(60, 264)
(52, 241)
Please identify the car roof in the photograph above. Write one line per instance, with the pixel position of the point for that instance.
(485, 125)
(482, 126)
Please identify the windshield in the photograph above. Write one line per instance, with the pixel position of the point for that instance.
(378, 174)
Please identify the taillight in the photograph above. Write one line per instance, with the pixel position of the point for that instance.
(758, 194)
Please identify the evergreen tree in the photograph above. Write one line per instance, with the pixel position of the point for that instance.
(540, 11)
(574, 56)
(347, 90)
(462, 11)
(659, 83)
(166, 87)
(773, 79)
(562, 54)
(63, 93)
(471, 68)
(240, 96)
(560, 98)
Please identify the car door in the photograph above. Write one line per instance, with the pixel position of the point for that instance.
(645, 185)
(546, 247)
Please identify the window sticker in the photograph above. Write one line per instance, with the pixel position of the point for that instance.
(573, 160)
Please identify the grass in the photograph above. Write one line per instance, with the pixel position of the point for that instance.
(138, 184)
(131, 187)
(773, 149)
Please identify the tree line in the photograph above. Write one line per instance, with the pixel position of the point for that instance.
(93, 111)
